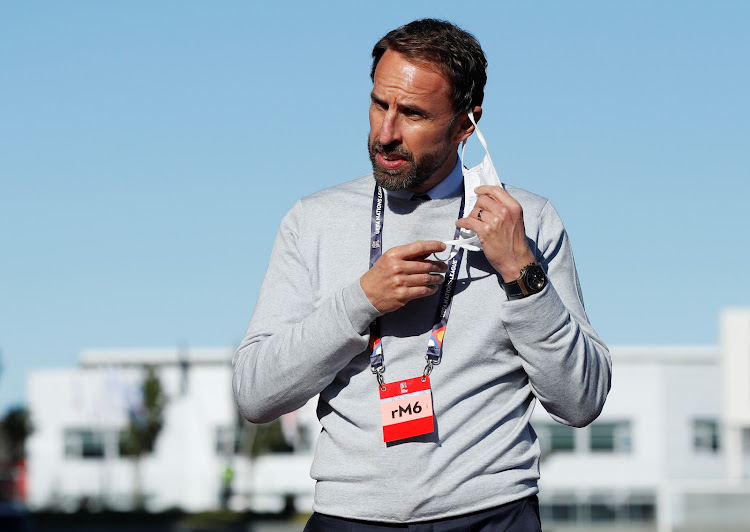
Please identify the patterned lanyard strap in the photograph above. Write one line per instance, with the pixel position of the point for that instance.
(435, 344)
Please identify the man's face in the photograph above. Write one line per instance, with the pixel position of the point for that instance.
(412, 139)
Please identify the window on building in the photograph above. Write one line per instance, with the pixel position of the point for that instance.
(126, 446)
(228, 440)
(257, 439)
(559, 510)
(705, 435)
(610, 437)
(641, 508)
(603, 509)
(562, 438)
(554, 437)
(746, 440)
(84, 443)
(563, 512)
(271, 439)
(600, 507)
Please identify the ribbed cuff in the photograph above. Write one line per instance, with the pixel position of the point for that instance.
(359, 309)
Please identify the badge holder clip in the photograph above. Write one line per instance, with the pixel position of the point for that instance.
(378, 371)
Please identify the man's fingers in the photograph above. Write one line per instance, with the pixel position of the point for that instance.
(471, 223)
(403, 273)
(497, 200)
(416, 292)
(432, 279)
(417, 250)
(416, 267)
(435, 266)
(496, 193)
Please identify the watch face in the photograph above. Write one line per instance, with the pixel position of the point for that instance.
(535, 278)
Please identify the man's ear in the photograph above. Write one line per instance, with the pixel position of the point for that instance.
(465, 127)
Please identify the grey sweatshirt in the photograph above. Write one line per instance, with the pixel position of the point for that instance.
(309, 334)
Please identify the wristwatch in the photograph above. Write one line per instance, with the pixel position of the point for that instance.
(532, 281)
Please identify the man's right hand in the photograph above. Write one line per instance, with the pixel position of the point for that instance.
(403, 273)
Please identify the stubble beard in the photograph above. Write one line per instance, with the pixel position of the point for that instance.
(414, 173)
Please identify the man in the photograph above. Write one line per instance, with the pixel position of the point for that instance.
(443, 444)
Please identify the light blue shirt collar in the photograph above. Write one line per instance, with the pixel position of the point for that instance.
(446, 188)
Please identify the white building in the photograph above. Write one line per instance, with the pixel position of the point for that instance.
(79, 414)
(670, 452)
(671, 448)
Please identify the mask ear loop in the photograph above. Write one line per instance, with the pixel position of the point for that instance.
(467, 243)
(481, 138)
(483, 142)
(451, 250)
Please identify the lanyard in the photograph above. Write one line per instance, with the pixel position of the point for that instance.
(435, 344)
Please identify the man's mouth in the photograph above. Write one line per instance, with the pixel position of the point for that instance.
(390, 161)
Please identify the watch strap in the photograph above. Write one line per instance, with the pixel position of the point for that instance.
(514, 289)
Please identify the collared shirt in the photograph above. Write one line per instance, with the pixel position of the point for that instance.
(446, 188)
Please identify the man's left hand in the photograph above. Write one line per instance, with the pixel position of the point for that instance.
(497, 218)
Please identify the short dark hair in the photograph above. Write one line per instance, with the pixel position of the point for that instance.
(456, 52)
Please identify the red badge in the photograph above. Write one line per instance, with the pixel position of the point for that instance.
(406, 407)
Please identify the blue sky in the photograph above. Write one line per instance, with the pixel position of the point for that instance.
(148, 151)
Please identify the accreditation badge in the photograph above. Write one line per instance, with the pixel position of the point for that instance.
(406, 407)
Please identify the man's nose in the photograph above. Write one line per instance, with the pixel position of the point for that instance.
(390, 130)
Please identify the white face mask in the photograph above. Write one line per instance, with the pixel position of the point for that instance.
(482, 174)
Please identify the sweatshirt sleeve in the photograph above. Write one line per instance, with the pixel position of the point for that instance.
(295, 346)
(568, 365)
